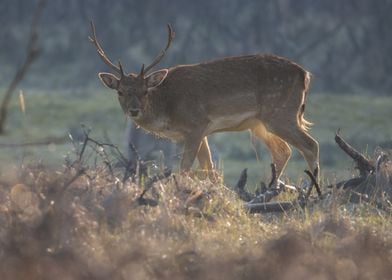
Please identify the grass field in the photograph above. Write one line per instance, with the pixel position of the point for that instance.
(69, 218)
(80, 222)
(363, 119)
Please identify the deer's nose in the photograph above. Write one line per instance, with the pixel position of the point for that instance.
(134, 112)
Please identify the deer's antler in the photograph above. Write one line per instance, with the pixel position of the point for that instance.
(170, 37)
(93, 39)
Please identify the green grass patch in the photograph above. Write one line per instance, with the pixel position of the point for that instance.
(364, 120)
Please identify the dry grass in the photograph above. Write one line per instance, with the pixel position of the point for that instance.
(85, 223)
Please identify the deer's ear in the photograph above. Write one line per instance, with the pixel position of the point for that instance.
(156, 78)
(109, 80)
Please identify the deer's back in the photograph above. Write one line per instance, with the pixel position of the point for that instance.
(234, 72)
(241, 82)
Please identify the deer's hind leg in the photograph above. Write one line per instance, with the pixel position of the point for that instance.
(279, 149)
(300, 139)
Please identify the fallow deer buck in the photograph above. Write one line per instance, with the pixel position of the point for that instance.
(262, 93)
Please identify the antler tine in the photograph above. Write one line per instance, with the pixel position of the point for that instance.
(93, 39)
(142, 71)
(121, 70)
(170, 37)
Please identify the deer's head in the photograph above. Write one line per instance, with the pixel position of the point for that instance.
(132, 89)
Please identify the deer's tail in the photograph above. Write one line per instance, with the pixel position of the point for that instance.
(304, 124)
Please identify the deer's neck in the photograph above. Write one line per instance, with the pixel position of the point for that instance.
(156, 118)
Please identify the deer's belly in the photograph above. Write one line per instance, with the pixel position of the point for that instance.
(233, 122)
(171, 134)
(163, 129)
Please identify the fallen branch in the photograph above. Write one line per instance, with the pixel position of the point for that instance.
(363, 164)
(276, 207)
(240, 187)
(348, 184)
(366, 187)
(260, 202)
(264, 195)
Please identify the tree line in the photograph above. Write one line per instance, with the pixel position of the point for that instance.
(345, 44)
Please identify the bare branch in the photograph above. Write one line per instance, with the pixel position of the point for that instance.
(31, 56)
(314, 183)
(148, 185)
(273, 176)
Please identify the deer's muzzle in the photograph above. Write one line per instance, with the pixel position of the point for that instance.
(134, 113)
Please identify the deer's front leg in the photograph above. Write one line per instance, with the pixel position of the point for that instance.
(204, 155)
(191, 148)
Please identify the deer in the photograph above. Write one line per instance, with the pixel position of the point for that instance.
(262, 93)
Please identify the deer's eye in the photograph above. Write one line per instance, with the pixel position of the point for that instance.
(120, 93)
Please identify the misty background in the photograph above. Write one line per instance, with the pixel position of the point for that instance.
(345, 44)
